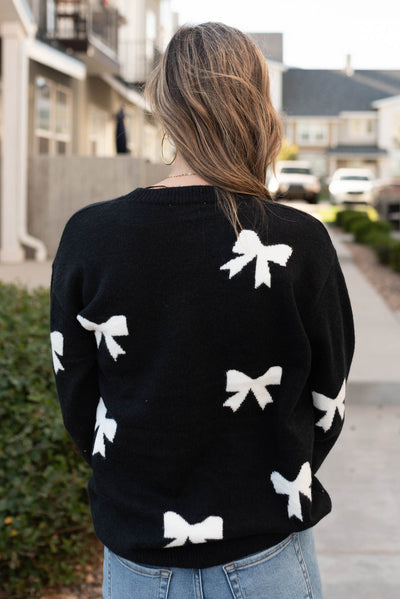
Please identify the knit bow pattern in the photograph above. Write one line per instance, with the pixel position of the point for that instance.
(329, 405)
(243, 384)
(115, 326)
(249, 245)
(176, 527)
(106, 429)
(301, 484)
(57, 347)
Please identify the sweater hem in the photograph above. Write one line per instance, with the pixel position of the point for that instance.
(204, 555)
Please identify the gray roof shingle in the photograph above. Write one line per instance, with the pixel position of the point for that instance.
(320, 92)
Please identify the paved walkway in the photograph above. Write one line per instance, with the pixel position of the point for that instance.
(359, 542)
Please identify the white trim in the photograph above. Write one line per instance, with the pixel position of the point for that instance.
(358, 114)
(129, 94)
(26, 17)
(56, 60)
(296, 117)
(277, 65)
(102, 47)
(386, 101)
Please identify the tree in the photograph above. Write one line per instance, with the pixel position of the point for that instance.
(288, 151)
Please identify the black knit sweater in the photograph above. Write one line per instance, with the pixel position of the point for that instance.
(202, 376)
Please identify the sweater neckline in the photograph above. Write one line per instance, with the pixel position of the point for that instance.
(183, 194)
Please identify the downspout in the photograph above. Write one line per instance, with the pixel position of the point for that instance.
(23, 236)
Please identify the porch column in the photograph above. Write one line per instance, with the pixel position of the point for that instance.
(14, 160)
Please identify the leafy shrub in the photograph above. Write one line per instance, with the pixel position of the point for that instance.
(382, 244)
(394, 259)
(364, 229)
(45, 522)
(346, 218)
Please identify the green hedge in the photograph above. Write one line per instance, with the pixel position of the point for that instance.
(363, 229)
(373, 233)
(45, 523)
(394, 259)
(347, 218)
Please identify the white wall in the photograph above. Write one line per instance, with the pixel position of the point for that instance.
(389, 136)
(358, 128)
(275, 80)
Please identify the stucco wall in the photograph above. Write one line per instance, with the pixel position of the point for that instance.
(59, 185)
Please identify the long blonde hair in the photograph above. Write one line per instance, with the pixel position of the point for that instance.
(210, 92)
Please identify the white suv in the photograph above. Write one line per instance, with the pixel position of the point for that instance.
(352, 185)
(294, 180)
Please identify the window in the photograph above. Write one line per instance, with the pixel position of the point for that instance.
(98, 129)
(53, 118)
(312, 133)
(296, 170)
(361, 127)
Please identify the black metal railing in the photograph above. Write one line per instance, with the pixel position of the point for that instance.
(73, 23)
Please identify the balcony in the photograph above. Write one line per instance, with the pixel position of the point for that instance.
(88, 28)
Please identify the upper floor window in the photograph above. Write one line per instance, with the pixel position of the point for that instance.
(361, 127)
(53, 122)
(312, 133)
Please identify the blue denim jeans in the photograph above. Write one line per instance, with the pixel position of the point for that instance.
(288, 570)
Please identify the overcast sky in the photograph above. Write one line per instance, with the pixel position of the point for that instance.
(316, 33)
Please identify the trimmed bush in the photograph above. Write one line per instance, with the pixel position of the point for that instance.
(375, 233)
(363, 229)
(347, 218)
(382, 244)
(394, 259)
(45, 523)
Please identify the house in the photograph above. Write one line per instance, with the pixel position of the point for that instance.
(66, 72)
(333, 117)
(337, 118)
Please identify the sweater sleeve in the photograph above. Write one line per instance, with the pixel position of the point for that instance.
(74, 354)
(331, 335)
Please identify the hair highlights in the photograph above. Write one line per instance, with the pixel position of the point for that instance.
(210, 91)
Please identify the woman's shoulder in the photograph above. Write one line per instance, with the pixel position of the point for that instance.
(88, 212)
(305, 233)
(90, 223)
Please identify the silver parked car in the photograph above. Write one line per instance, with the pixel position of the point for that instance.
(294, 179)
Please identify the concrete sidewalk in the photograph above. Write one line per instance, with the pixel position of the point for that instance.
(359, 542)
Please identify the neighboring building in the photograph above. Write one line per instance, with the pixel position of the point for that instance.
(388, 111)
(336, 118)
(332, 117)
(271, 45)
(65, 73)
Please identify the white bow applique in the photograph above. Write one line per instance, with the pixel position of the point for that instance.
(329, 405)
(301, 484)
(57, 347)
(106, 429)
(249, 245)
(176, 527)
(243, 384)
(113, 327)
